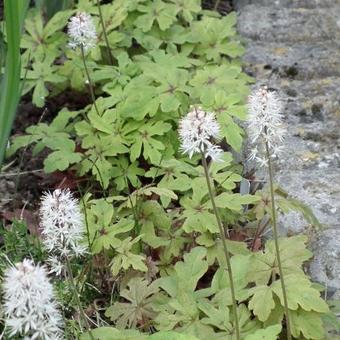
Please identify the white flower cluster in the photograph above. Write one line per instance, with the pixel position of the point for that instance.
(196, 132)
(82, 32)
(62, 227)
(265, 125)
(29, 304)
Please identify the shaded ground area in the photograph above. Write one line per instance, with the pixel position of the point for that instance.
(294, 48)
(223, 6)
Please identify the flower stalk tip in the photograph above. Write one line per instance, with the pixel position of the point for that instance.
(62, 227)
(197, 131)
(265, 125)
(82, 32)
(29, 305)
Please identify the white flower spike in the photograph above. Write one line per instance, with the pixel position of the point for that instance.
(29, 303)
(62, 227)
(196, 132)
(265, 125)
(82, 32)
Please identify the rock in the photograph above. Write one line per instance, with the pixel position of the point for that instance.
(319, 189)
(325, 266)
(288, 3)
(292, 223)
(318, 98)
(271, 24)
(298, 61)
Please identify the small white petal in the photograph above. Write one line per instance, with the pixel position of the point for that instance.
(62, 227)
(29, 308)
(265, 125)
(214, 152)
(82, 32)
(196, 131)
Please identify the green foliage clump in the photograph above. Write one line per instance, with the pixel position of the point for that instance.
(177, 302)
(155, 253)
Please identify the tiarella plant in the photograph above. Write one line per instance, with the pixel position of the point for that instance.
(171, 251)
(266, 132)
(62, 231)
(62, 228)
(196, 131)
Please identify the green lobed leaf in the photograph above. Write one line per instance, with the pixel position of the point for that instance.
(269, 333)
(102, 333)
(61, 160)
(262, 301)
(307, 324)
(300, 294)
(138, 308)
(234, 201)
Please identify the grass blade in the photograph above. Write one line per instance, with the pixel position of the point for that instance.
(15, 11)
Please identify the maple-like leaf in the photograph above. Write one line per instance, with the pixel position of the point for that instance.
(139, 295)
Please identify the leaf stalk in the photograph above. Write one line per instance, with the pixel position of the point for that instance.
(89, 80)
(104, 31)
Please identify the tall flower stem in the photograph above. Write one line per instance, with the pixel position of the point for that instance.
(277, 249)
(224, 243)
(89, 80)
(75, 292)
(104, 31)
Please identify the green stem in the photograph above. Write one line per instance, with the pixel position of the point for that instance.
(104, 31)
(224, 243)
(277, 249)
(135, 215)
(75, 292)
(89, 80)
(86, 220)
(217, 3)
(259, 230)
(99, 173)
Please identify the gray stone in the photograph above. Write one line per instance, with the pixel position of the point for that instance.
(317, 188)
(288, 3)
(292, 223)
(286, 24)
(316, 100)
(298, 61)
(325, 266)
